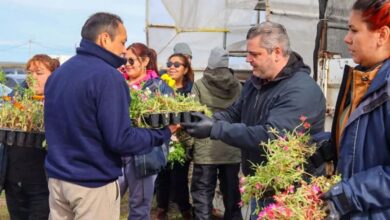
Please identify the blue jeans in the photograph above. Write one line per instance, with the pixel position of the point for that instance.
(140, 191)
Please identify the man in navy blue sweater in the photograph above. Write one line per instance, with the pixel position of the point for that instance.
(88, 126)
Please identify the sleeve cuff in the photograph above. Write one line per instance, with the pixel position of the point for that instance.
(340, 199)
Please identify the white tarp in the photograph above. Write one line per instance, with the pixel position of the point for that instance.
(203, 24)
(300, 17)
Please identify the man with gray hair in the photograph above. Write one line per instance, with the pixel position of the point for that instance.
(277, 94)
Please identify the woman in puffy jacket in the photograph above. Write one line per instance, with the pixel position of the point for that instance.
(361, 128)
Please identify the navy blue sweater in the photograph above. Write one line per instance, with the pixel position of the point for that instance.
(87, 121)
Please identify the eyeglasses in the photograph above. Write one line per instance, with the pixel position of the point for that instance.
(130, 61)
(175, 64)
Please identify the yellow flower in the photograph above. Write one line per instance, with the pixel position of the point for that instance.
(168, 80)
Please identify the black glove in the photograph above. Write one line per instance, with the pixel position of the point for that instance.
(330, 208)
(331, 211)
(201, 128)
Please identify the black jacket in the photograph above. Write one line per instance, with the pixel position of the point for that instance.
(276, 104)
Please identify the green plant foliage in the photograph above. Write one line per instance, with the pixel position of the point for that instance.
(23, 111)
(145, 102)
(177, 153)
(283, 174)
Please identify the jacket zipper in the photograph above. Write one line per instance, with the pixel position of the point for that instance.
(354, 147)
(257, 99)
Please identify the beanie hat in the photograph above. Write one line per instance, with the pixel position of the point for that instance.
(218, 58)
(182, 48)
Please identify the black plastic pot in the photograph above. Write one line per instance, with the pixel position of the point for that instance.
(175, 118)
(3, 135)
(145, 118)
(11, 138)
(154, 120)
(165, 119)
(30, 139)
(185, 117)
(39, 138)
(20, 138)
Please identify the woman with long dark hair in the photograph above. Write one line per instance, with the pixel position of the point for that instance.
(138, 177)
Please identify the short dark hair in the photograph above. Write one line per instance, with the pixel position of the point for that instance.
(98, 23)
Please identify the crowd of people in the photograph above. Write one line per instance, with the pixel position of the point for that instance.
(95, 153)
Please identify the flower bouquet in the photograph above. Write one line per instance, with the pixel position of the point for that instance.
(296, 193)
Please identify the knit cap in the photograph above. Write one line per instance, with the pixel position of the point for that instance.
(218, 58)
(182, 48)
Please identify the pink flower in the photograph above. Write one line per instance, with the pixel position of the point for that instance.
(242, 189)
(242, 180)
(258, 186)
(241, 203)
(291, 189)
(261, 215)
(285, 148)
(306, 125)
(316, 189)
(303, 118)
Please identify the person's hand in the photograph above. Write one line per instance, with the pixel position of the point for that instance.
(331, 211)
(173, 128)
(330, 208)
(199, 129)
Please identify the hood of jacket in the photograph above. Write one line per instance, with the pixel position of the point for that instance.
(221, 83)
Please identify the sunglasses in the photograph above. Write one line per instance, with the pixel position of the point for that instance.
(130, 61)
(175, 64)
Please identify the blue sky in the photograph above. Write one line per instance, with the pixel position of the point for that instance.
(53, 26)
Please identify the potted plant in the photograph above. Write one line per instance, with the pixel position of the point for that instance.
(21, 119)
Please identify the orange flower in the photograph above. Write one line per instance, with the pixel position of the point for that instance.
(18, 105)
(38, 97)
(7, 98)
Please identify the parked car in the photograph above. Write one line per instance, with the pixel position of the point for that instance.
(14, 71)
(13, 80)
(14, 76)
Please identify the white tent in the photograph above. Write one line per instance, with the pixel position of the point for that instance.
(203, 24)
